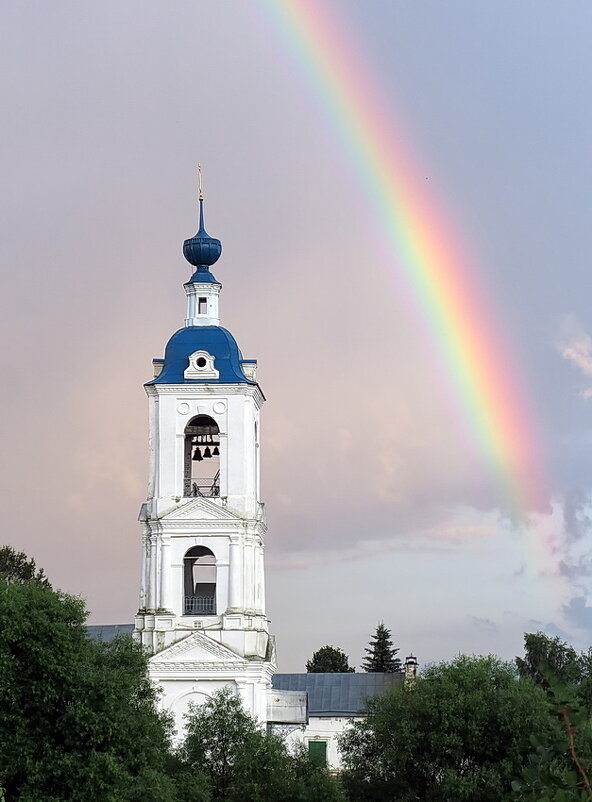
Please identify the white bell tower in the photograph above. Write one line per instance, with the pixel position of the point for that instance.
(202, 597)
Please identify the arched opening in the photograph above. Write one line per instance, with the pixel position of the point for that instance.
(199, 582)
(202, 458)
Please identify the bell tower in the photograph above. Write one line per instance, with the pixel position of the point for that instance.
(202, 596)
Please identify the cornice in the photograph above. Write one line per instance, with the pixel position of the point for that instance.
(207, 388)
(194, 526)
(195, 667)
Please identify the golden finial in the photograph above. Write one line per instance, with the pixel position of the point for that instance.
(200, 197)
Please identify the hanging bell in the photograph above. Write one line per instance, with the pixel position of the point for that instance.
(216, 452)
(207, 452)
(197, 455)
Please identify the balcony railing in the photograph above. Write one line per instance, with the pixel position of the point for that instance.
(210, 488)
(199, 605)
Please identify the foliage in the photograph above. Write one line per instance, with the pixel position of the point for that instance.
(15, 566)
(557, 770)
(381, 654)
(227, 757)
(329, 660)
(77, 717)
(544, 654)
(540, 649)
(461, 733)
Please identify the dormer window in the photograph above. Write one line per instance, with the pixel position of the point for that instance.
(201, 366)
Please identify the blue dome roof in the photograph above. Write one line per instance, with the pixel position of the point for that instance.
(203, 275)
(216, 341)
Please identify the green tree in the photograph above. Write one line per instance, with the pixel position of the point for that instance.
(329, 660)
(77, 718)
(382, 656)
(461, 733)
(15, 566)
(552, 653)
(227, 757)
(558, 769)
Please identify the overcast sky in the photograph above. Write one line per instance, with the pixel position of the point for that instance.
(378, 509)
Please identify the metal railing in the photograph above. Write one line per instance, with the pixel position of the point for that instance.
(209, 488)
(199, 605)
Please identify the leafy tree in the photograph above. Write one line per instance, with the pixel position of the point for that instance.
(227, 757)
(558, 769)
(553, 653)
(77, 717)
(329, 660)
(15, 566)
(461, 733)
(381, 654)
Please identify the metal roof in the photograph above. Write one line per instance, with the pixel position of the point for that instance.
(107, 632)
(328, 694)
(217, 341)
(336, 694)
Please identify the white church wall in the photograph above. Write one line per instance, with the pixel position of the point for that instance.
(322, 728)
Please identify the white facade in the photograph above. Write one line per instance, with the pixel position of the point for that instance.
(322, 730)
(202, 596)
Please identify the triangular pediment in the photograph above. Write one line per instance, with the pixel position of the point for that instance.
(196, 648)
(200, 509)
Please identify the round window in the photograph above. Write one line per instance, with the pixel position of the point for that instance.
(201, 362)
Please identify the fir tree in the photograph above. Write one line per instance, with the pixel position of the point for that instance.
(382, 657)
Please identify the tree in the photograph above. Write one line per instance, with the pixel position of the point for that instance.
(558, 770)
(461, 732)
(552, 653)
(77, 717)
(549, 657)
(227, 757)
(329, 660)
(15, 566)
(381, 654)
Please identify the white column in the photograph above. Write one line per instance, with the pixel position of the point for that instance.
(223, 437)
(259, 579)
(165, 575)
(249, 574)
(152, 584)
(235, 578)
(144, 570)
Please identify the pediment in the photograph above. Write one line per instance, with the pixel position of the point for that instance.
(200, 509)
(196, 648)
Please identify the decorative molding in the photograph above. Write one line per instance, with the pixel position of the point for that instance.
(208, 651)
(251, 390)
(198, 507)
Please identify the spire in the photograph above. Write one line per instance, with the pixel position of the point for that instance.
(202, 251)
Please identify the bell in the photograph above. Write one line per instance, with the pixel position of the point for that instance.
(216, 452)
(207, 452)
(197, 455)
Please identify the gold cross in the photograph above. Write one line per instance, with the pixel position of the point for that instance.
(200, 197)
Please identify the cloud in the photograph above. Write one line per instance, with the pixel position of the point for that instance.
(579, 613)
(483, 623)
(577, 514)
(575, 345)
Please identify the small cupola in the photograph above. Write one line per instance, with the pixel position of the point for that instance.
(202, 289)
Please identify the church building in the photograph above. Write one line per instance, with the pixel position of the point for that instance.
(202, 615)
(202, 596)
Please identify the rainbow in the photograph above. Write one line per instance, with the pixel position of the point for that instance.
(426, 256)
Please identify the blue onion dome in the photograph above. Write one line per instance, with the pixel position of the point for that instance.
(202, 250)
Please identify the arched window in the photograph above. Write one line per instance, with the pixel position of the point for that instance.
(202, 458)
(199, 579)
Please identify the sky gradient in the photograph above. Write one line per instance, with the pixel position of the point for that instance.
(380, 507)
